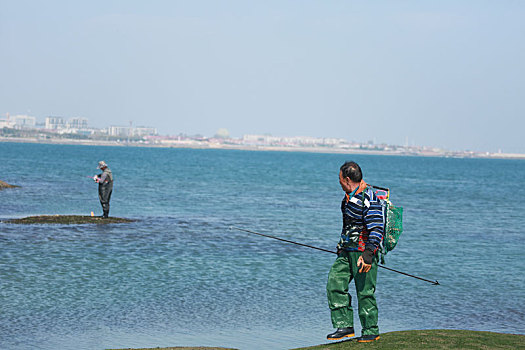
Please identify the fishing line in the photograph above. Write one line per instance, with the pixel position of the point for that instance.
(330, 251)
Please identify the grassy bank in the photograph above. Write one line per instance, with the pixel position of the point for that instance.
(67, 220)
(434, 339)
(425, 339)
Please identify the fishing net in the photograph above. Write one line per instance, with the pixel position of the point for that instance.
(393, 226)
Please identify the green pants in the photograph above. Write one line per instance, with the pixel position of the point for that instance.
(341, 274)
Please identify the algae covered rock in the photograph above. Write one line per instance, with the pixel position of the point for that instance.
(67, 220)
(6, 185)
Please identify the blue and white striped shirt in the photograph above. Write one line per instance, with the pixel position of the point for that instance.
(363, 225)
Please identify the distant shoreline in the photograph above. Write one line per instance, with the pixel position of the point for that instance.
(211, 145)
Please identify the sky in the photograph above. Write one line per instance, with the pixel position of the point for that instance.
(448, 74)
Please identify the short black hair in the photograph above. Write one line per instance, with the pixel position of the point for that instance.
(352, 170)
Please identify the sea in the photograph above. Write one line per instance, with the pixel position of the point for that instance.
(182, 274)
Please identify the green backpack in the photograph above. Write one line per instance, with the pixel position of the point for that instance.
(392, 220)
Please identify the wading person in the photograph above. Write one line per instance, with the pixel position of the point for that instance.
(357, 258)
(105, 187)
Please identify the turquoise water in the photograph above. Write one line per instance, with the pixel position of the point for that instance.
(181, 276)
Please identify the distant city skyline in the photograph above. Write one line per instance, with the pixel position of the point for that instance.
(441, 74)
(74, 124)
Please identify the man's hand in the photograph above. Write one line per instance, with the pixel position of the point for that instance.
(364, 266)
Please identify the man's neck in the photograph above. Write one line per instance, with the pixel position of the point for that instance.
(354, 186)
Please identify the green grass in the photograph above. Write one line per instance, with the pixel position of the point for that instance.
(425, 339)
(434, 339)
(66, 220)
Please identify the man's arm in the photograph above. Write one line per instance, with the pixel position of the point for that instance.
(101, 178)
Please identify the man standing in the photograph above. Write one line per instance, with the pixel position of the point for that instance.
(357, 258)
(105, 186)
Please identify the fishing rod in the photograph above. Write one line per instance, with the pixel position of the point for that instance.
(94, 178)
(329, 251)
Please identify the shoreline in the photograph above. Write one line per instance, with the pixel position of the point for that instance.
(431, 339)
(192, 144)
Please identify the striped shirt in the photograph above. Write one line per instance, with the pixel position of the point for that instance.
(363, 225)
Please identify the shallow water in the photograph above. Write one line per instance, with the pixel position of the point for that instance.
(181, 276)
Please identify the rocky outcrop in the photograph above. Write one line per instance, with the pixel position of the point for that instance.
(6, 185)
(67, 220)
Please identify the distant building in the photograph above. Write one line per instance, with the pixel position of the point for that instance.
(260, 139)
(143, 131)
(24, 121)
(222, 134)
(290, 141)
(301, 140)
(119, 131)
(329, 141)
(128, 131)
(55, 123)
(77, 123)
(4, 123)
(7, 123)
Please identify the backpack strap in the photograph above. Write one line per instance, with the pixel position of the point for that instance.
(363, 211)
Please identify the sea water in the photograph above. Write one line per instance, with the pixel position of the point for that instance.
(181, 276)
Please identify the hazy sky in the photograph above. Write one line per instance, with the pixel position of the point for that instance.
(449, 74)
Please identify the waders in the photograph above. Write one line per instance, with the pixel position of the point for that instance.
(104, 195)
(343, 271)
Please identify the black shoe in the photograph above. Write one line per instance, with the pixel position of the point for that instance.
(341, 333)
(368, 338)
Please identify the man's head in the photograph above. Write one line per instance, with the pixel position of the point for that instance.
(102, 165)
(350, 176)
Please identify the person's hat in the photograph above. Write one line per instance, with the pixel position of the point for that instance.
(101, 164)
